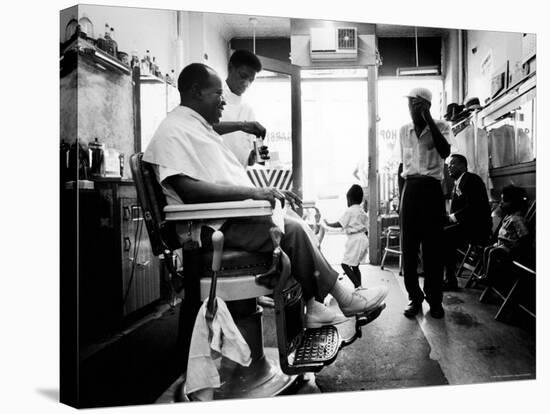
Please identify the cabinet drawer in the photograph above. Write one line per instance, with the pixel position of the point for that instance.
(140, 268)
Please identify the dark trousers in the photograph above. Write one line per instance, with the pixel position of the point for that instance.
(422, 216)
(309, 266)
(353, 273)
(454, 238)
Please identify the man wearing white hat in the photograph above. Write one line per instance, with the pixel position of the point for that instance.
(424, 146)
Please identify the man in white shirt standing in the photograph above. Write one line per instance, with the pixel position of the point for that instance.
(424, 147)
(238, 123)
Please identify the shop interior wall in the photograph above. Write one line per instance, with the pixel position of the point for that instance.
(495, 47)
(216, 46)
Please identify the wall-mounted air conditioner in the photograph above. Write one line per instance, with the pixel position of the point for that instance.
(333, 43)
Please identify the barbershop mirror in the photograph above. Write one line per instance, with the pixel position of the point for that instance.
(270, 96)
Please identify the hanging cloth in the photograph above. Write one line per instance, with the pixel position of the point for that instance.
(209, 344)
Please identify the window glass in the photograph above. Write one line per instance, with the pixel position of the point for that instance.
(270, 97)
(334, 136)
(501, 141)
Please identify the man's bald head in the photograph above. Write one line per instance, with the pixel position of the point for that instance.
(200, 89)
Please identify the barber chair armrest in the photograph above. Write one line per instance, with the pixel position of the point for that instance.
(220, 210)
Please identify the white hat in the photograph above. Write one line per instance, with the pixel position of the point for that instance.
(423, 93)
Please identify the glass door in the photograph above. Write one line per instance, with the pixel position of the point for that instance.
(335, 135)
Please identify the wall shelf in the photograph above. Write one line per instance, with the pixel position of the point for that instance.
(86, 50)
(507, 96)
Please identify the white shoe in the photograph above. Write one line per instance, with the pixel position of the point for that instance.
(365, 300)
(318, 315)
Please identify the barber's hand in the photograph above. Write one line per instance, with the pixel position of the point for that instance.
(254, 128)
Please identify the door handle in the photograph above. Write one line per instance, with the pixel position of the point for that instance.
(126, 214)
(127, 244)
(135, 211)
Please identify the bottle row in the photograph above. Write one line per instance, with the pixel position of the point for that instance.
(83, 28)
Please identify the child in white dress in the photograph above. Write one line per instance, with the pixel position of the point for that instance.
(354, 222)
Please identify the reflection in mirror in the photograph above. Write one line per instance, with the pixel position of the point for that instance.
(271, 99)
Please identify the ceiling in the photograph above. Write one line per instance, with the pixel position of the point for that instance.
(234, 25)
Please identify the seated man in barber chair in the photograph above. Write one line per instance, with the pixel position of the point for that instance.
(194, 166)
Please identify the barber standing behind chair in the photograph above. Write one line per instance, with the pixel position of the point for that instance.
(424, 147)
(469, 218)
(238, 123)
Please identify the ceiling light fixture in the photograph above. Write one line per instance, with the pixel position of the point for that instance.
(418, 70)
(254, 22)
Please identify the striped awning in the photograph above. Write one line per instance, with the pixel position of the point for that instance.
(280, 178)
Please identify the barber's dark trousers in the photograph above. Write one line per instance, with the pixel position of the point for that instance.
(308, 266)
(422, 215)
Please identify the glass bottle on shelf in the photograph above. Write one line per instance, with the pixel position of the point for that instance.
(148, 61)
(135, 59)
(102, 41)
(112, 46)
(144, 68)
(70, 29)
(155, 68)
(87, 28)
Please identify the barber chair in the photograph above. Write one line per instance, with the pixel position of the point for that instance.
(239, 278)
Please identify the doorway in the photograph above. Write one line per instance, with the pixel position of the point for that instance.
(334, 136)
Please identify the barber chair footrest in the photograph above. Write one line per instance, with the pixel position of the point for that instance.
(319, 347)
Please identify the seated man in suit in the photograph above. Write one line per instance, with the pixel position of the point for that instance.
(470, 215)
(194, 165)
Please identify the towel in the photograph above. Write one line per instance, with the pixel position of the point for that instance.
(205, 356)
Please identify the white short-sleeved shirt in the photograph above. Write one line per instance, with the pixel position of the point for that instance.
(418, 154)
(237, 110)
(354, 220)
(186, 144)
